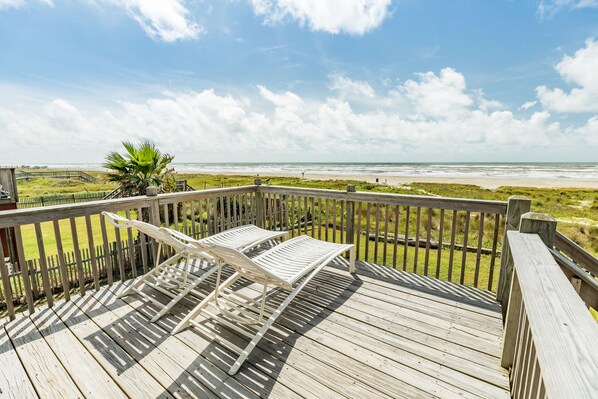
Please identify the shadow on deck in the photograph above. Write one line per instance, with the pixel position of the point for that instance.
(380, 333)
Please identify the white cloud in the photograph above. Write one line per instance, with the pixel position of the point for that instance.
(6, 4)
(333, 16)
(433, 117)
(578, 70)
(347, 87)
(166, 20)
(527, 105)
(547, 8)
(438, 96)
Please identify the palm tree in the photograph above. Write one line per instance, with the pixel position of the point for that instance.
(140, 167)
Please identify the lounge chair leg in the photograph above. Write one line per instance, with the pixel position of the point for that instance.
(197, 310)
(251, 346)
(352, 260)
(181, 294)
(145, 277)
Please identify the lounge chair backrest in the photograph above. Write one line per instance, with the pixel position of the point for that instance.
(148, 229)
(244, 265)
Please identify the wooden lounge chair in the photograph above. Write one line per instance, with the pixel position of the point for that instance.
(167, 276)
(290, 266)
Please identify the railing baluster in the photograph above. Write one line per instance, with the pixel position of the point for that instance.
(313, 216)
(377, 233)
(222, 217)
(119, 253)
(428, 237)
(66, 286)
(108, 259)
(342, 219)
(201, 224)
(24, 268)
(306, 215)
(143, 243)
(6, 285)
(78, 260)
(493, 255)
(479, 250)
(327, 221)
(367, 231)
(396, 238)
(319, 218)
(385, 234)
(452, 247)
(417, 227)
(132, 258)
(465, 240)
(440, 236)
(406, 246)
(175, 215)
(92, 253)
(293, 216)
(236, 204)
(358, 248)
(184, 215)
(43, 265)
(209, 226)
(334, 220)
(193, 215)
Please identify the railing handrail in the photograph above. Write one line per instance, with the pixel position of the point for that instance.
(576, 253)
(465, 204)
(10, 218)
(561, 330)
(574, 268)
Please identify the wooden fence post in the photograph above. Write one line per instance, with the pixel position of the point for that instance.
(259, 203)
(517, 206)
(544, 226)
(350, 216)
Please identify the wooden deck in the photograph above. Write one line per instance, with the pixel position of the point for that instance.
(379, 334)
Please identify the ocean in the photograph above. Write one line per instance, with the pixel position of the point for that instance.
(528, 171)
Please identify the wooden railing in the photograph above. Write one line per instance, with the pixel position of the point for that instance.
(447, 238)
(55, 174)
(550, 337)
(60, 199)
(38, 233)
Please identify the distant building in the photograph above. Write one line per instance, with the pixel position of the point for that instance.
(9, 197)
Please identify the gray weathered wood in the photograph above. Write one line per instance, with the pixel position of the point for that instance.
(14, 382)
(517, 206)
(541, 224)
(6, 288)
(576, 253)
(564, 332)
(43, 264)
(394, 199)
(45, 371)
(24, 268)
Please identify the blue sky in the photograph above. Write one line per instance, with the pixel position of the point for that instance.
(300, 80)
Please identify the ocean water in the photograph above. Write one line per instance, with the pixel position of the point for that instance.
(535, 171)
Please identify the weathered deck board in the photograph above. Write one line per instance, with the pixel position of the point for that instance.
(14, 382)
(45, 372)
(379, 334)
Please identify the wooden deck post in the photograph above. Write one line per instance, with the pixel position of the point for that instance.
(259, 203)
(541, 224)
(544, 226)
(350, 236)
(517, 206)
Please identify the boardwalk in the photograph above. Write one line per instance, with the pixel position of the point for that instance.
(378, 334)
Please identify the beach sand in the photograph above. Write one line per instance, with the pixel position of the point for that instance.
(490, 183)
